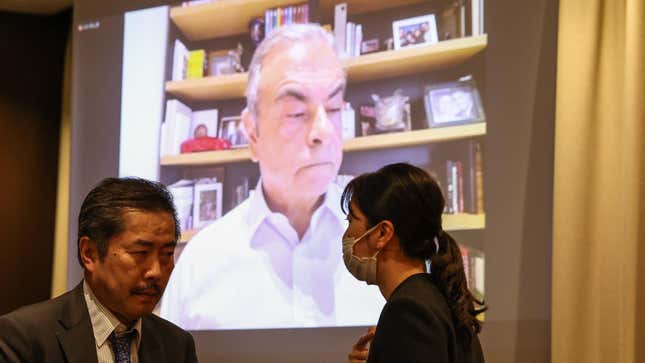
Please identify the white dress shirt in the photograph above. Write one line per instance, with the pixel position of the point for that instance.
(249, 270)
(103, 324)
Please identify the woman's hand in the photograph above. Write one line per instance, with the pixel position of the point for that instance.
(361, 348)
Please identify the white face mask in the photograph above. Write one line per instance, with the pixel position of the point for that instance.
(362, 268)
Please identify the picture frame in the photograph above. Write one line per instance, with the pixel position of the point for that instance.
(232, 129)
(414, 32)
(453, 103)
(207, 205)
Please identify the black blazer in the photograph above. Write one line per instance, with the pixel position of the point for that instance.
(60, 330)
(416, 326)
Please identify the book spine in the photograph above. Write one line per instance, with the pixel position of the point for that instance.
(455, 188)
(340, 27)
(449, 185)
(460, 187)
(479, 178)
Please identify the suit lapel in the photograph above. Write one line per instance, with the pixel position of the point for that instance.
(75, 334)
(150, 349)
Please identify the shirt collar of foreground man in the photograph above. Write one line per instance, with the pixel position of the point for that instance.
(127, 232)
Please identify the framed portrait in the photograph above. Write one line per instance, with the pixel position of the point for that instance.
(207, 206)
(453, 103)
(231, 129)
(417, 31)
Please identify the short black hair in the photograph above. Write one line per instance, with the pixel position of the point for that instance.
(101, 215)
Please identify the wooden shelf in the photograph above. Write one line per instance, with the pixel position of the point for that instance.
(355, 7)
(222, 18)
(209, 88)
(451, 222)
(378, 65)
(406, 61)
(374, 142)
(463, 221)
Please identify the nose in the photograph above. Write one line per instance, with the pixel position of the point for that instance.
(154, 270)
(322, 128)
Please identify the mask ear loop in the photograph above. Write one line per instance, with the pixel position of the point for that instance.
(428, 262)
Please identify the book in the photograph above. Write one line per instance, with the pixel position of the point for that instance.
(179, 59)
(340, 25)
(176, 127)
(348, 121)
(196, 64)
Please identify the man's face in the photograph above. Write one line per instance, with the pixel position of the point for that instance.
(133, 275)
(298, 136)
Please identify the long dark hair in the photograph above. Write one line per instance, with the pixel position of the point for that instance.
(411, 199)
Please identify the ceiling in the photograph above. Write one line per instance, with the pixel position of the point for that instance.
(42, 7)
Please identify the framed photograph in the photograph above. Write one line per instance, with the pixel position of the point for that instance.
(420, 30)
(453, 103)
(231, 128)
(207, 206)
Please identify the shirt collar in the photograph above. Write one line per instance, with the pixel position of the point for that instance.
(103, 321)
(259, 210)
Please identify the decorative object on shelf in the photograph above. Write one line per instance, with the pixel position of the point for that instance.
(204, 123)
(388, 44)
(453, 103)
(241, 192)
(206, 143)
(207, 205)
(196, 64)
(368, 119)
(227, 61)
(256, 30)
(420, 30)
(452, 20)
(182, 196)
(232, 129)
(370, 46)
(348, 121)
(392, 115)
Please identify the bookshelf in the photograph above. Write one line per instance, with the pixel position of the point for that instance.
(231, 17)
(380, 65)
(451, 222)
(373, 142)
(221, 18)
(205, 23)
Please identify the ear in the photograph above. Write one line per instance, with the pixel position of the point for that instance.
(89, 253)
(250, 126)
(382, 235)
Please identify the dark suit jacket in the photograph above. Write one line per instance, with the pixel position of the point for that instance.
(416, 325)
(60, 330)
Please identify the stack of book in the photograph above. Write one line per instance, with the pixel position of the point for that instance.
(277, 17)
(464, 189)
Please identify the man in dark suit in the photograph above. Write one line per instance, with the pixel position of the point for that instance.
(127, 233)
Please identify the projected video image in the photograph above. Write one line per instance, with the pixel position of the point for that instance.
(256, 131)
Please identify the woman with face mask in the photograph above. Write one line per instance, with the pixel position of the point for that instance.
(395, 240)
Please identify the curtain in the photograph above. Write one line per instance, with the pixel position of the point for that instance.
(599, 190)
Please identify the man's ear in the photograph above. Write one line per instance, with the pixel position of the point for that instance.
(89, 253)
(382, 235)
(250, 126)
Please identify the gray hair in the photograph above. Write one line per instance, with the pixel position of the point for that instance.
(289, 33)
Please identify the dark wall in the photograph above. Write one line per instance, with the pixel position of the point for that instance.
(32, 62)
(521, 60)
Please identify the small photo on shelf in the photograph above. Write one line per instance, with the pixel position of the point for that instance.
(232, 129)
(417, 31)
(453, 103)
(207, 206)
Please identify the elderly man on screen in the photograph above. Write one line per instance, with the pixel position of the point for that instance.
(127, 232)
(275, 261)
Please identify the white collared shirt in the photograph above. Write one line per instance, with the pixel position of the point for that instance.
(103, 324)
(249, 270)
